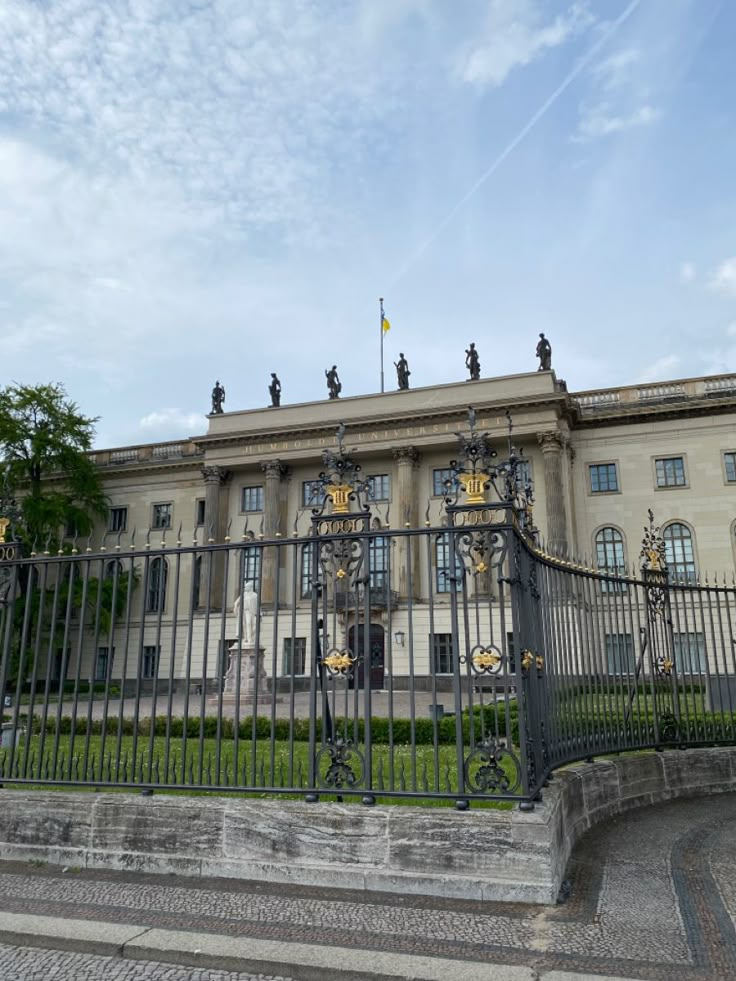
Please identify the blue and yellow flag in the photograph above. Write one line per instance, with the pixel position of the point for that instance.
(385, 324)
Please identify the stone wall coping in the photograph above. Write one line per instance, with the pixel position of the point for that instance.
(480, 854)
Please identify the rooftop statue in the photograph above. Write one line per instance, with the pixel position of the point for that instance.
(472, 362)
(334, 385)
(274, 390)
(544, 353)
(402, 372)
(218, 397)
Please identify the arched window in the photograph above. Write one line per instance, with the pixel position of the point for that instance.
(609, 551)
(113, 568)
(158, 572)
(679, 552)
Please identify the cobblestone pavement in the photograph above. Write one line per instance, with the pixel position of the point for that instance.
(652, 897)
(32, 964)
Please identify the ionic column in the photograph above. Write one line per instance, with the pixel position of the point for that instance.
(274, 472)
(214, 531)
(407, 463)
(552, 444)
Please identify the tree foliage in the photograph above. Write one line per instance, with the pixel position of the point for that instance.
(44, 443)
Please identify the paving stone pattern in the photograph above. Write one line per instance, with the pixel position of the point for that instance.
(32, 964)
(652, 897)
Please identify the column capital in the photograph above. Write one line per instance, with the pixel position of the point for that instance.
(213, 474)
(551, 441)
(274, 469)
(406, 454)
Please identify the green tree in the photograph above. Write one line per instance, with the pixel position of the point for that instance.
(44, 444)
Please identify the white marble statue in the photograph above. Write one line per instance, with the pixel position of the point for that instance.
(246, 614)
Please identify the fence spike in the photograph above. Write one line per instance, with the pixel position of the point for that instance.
(227, 530)
(427, 522)
(178, 534)
(211, 535)
(148, 538)
(117, 544)
(388, 515)
(132, 540)
(163, 538)
(262, 526)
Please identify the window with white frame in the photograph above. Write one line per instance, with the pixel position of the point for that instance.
(251, 498)
(603, 478)
(306, 571)
(729, 460)
(158, 572)
(103, 663)
(252, 566)
(448, 567)
(688, 649)
(149, 665)
(295, 656)
(609, 551)
(117, 519)
(442, 481)
(313, 494)
(443, 654)
(379, 487)
(162, 515)
(378, 560)
(679, 552)
(620, 654)
(670, 471)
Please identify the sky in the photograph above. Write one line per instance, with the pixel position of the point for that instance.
(202, 190)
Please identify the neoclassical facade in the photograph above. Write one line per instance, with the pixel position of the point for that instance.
(598, 460)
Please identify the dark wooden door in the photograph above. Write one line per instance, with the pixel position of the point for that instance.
(376, 655)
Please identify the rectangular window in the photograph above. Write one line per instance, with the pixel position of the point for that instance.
(252, 566)
(730, 461)
(603, 478)
(103, 663)
(443, 655)
(156, 591)
(525, 473)
(295, 656)
(440, 480)
(313, 494)
(379, 487)
(670, 471)
(117, 519)
(251, 499)
(162, 514)
(445, 554)
(689, 652)
(620, 654)
(511, 651)
(199, 513)
(306, 571)
(149, 667)
(378, 559)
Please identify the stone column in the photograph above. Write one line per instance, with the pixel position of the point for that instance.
(552, 444)
(274, 472)
(407, 463)
(214, 531)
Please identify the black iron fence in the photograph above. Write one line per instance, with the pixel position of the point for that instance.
(456, 662)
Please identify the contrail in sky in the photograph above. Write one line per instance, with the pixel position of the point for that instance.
(564, 84)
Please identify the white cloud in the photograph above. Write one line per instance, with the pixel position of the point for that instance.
(660, 370)
(602, 120)
(515, 34)
(615, 71)
(723, 279)
(173, 421)
(687, 272)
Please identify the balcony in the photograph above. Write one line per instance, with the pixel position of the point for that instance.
(380, 598)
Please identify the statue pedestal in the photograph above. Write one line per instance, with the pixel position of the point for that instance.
(252, 672)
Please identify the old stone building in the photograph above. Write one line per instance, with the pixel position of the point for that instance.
(598, 461)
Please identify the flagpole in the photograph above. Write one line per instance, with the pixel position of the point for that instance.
(382, 333)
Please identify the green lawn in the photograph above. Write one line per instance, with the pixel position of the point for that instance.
(260, 767)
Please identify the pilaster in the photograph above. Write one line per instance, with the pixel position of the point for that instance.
(553, 445)
(407, 553)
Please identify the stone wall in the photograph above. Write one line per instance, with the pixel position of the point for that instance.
(480, 854)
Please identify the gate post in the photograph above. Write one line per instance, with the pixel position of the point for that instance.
(529, 667)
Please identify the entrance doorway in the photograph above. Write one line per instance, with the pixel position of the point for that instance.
(377, 654)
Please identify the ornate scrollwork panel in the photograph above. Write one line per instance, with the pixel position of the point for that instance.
(492, 768)
(340, 765)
